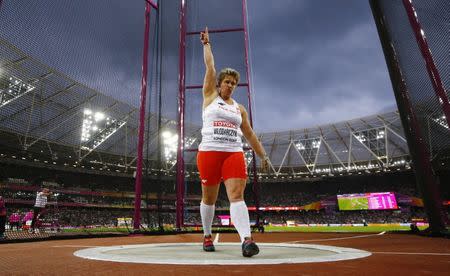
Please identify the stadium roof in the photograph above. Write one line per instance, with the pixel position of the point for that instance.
(46, 109)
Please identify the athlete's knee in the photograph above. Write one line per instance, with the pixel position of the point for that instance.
(236, 195)
(236, 199)
(209, 200)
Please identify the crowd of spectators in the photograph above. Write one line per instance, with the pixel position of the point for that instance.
(109, 208)
(67, 217)
(405, 215)
(107, 217)
(299, 194)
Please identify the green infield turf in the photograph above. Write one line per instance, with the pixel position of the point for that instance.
(338, 228)
(357, 203)
(95, 230)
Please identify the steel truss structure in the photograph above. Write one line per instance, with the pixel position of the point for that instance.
(371, 143)
(50, 115)
(309, 149)
(43, 120)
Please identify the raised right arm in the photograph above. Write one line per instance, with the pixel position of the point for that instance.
(209, 82)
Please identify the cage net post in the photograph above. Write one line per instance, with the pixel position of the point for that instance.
(180, 166)
(255, 184)
(152, 181)
(143, 104)
(159, 144)
(421, 104)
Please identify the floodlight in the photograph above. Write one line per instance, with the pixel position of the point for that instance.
(300, 146)
(361, 137)
(166, 134)
(170, 146)
(12, 89)
(316, 144)
(380, 134)
(92, 135)
(189, 141)
(99, 116)
(441, 121)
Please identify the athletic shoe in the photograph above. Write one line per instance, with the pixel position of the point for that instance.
(208, 245)
(249, 248)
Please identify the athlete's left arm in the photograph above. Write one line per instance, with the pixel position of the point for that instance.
(250, 135)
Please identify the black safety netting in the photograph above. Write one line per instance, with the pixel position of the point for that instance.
(434, 18)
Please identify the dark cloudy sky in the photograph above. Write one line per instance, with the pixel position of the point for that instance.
(315, 62)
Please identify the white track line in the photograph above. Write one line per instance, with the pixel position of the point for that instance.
(75, 246)
(216, 239)
(336, 239)
(413, 253)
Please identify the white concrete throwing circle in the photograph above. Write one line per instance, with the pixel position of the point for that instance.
(225, 254)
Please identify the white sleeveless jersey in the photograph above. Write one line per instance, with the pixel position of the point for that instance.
(221, 127)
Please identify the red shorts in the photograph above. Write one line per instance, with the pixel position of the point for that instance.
(217, 165)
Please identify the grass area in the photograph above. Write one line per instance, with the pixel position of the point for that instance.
(95, 230)
(350, 229)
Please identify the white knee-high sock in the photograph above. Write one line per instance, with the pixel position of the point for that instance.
(207, 214)
(240, 218)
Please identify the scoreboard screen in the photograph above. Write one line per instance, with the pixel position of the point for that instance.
(367, 201)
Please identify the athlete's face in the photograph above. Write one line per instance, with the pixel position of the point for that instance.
(227, 86)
